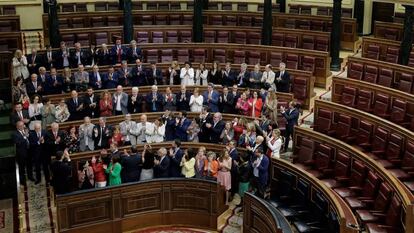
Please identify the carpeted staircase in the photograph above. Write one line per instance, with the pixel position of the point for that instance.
(6, 143)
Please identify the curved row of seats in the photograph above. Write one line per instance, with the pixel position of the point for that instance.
(386, 103)
(380, 202)
(388, 144)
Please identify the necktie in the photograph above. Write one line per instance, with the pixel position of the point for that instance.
(153, 103)
(119, 54)
(20, 115)
(76, 102)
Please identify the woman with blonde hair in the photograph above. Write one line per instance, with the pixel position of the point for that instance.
(19, 63)
(174, 73)
(223, 174)
(62, 113)
(270, 107)
(188, 164)
(105, 104)
(274, 143)
(68, 80)
(196, 101)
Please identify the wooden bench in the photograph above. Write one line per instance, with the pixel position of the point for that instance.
(380, 49)
(9, 23)
(399, 190)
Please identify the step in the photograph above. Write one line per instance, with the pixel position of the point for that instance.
(7, 151)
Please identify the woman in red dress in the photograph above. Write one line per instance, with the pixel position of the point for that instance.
(105, 104)
(242, 105)
(255, 105)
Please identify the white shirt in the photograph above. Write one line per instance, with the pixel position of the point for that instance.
(201, 77)
(275, 146)
(187, 76)
(118, 102)
(196, 103)
(256, 169)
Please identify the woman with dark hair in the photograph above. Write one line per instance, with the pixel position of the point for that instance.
(147, 172)
(61, 170)
(71, 140)
(255, 105)
(48, 112)
(114, 171)
(35, 109)
(188, 164)
(85, 176)
(243, 171)
(18, 90)
(223, 174)
(214, 74)
(99, 170)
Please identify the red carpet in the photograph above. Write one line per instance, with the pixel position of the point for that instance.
(171, 230)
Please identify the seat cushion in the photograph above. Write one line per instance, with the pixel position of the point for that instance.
(303, 227)
(400, 174)
(287, 212)
(366, 216)
(302, 166)
(385, 163)
(315, 173)
(332, 183)
(344, 192)
(376, 228)
(410, 185)
(355, 203)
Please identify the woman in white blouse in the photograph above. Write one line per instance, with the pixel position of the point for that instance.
(156, 132)
(274, 143)
(196, 101)
(19, 63)
(201, 75)
(62, 113)
(187, 75)
(35, 111)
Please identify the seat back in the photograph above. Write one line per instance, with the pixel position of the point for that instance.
(142, 37)
(166, 55)
(114, 21)
(219, 55)
(381, 104)
(343, 127)
(342, 164)
(187, 19)
(147, 20)
(323, 157)
(380, 139)
(317, 25)
(358, 174)
(385, 77)
(157, 37)
(291, 41)
(101, 38)
(364, 100)
(299, 88)
(395, 147)
(254, 38)
(199, 55)
(246, 21)
(160, 20)
(383, 198)
(97, 21)
(365, 132)
(285, 184)
(152, 55)
(392, 54)
(216, 20)
(83, 38)
(276, 58)
(349, 96)
(186, 36)
(393, 216)
(240, 38)
(175, 19)
(209, 36)
(371, 185)
(370, 74)
(322, 10)
(308, 42)
(230, 20)
(292, 61)
(277, 39)
(183, 55)
(355, 71)
(304, 24)
(254, 57)
(373, 52)
(308, 63)
(406, 83)
(239, 56)
(306, 151)
(302, 193)
(398, 111)
(323, 122)
(223, 37)
(172, 36)
(227, 6)
(408, 157)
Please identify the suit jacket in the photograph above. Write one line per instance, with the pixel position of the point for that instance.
(130, 54)
(36, 148)
(93, 80)
(124, 76)
(50, 88)
(131, 168)
(215, 131)
(291, 118)
(124, 102)
(162, 170)
(90, 111)
(154, 106)
(22, 144)
(182, 105)
(175, 162)
(106, 135)
(61, 171)
(139, 76)
(203, 135)
(127, 130)
(45, 61)
(52, 146)
(86, 137)
(213, 103)
(157, 79)
(264, 170)
(135, 106)
(31, 89)
(114, 54)
(14, 117)
(170, 103)
(104, 59)
(34, 62)
(108, 82)
(181, 130)
(169, 128)
(59, 64)
(84, 57)
(72, 107)
(227, 105)
(284, 84)
(228, 79)
(242, 80)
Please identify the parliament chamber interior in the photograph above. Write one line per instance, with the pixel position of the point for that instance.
(253, 116)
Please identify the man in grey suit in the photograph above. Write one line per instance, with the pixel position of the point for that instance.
(120, 101)
(127, 127)
(85, 135)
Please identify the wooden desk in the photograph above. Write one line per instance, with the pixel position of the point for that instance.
(181, 202)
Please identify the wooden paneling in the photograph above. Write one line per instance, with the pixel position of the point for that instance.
(184, 202)
(382, 28)
(13, 22)
(382, 43)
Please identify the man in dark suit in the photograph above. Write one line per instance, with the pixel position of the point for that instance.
(110, 79)
(211, 98)
(34, 61)
(229, 76)
(62, 56)
(118, 52)
(101, 134)
(21, 141)
(242, 78)
(154, 100)
(124, 74)
(236, 95)
(104, 56)
(138, 74)
(135, 101)
(19, 114)
(48, 59)
(216, 128)
(205, 119)
(162, 165)
(292, 116)
(260, 167)
(133, 52)
(34, 86)
(78, 56)
(131, 165)
(75, 107)
(61, 170)
(37, 151)
(91, 103)
(181, 126)
(54, 140)
(169, 122)
(154, 75)
(54, 83)
(282, 79)
(227, 101)
(182, 99)
(95, 78)
(176, 154)
(43, 75)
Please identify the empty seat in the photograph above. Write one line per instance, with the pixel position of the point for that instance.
(257, 21)
(216, 20)
(404, 168)
(213, 5)
(367, 194)
(300, 89)
(305, 10)
(290, 23)
(276, 58)
(113, 21)
(163, 6)
(183, 55)
(291, 41)
(230, 20)
(152, 6)
(175, 19)
(245, 21)
(190, 5)
(373, 52)
(277, 39)
(385, 77)
(381, 105)
(157, 37)
(355, 71)
(227, 6)
(378, 144)
(239, 57)
(97, 21)
(78, 22)
(199, 55)
(81, 7)
(83, 38)
(406, 83)
(364, 100)
(392, 55)
(137, 5)
(339, 172)
(240, 37)
(254, 38)
(69, 39)
(364, 134)
(294, 9)
(100, 6)
(101, 38)
(292, 61)
(152, 55)
(343, 128)
(142, 37)
(160, 20)
(113, 6)
(398, 112)
(308, 42)
(370, 74)
(219, 55)
(6, 27)
(390, 221)
(394, 150)
(321, 10)
(172, 36)
(317, 25)
(347, 12)
(304, 24)
(166, 55)
(379, 206)
(254, 58)
(308, 63)
(147, 20)
(186, 37)
(323, 122)
(356, 180)
(349, 96)
(223, 37)
(68, 7)
(305, 153)
(241, 6)
(322, 160)
(175, 6)
(209, 36)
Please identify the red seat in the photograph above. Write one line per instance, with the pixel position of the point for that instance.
(157, 37)
(186, 37)
(142, 37)
(166, 55)
(80, 7)
(223, 37)
(69, 39)
(305, 153)
(83, 38)
(219, 55)
(199, 55)
(246, 21)
(290, 23)
(294, 9)
(163, 6)
(322, 44)
(227, 6)
(385, 77)
(404, 168)
(343, 128)
(304, 24)
(68, 7)
(291, 41)
(393, 152)
(406, 83)
(6, 27)
(398, 112)
(152, 55)
(97, 22)
(175, 19)
(254, 38)
(364, 100)
(78, 22)
(242, 6)
(392, 55)
(364, 134)
(257, 21)
(113, 6)
(391, 221)
(216, 20)
(230, 20)
(147, 20)
(137, 5)
(152, 6)
(240, 37)
(355, 71)
(101, 38)
(355, 181)
(317, 25)
(370, 74)
(378, 144)
(322, 160)
(187, 19)
(379, 206)
(381, 105)
(308, 63)
(346, 12)
(367, 194)
(322, 10)
(213, 5)
(276, 58)
(300, 89)
(305, 10)
(277, 39)
(175, 6)
(391, 34)
(292, 61)
(183, 55)
(160, 20)
(339, 172)
(209, 36)
(308, 42)
(373, 52)
(113, 21)
(349, 95)
(254, 57)
(323, 121)
(239, 57)
(172, 36)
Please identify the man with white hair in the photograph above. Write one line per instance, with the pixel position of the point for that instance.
(37, 152)
(133, 52)
(215, 128)
(54, 140)
(154, 100)
(162, 165)
(243, 76)
(85, 135)
(268, 78)
(282, 79)
(143, 130)
(127, 127)
(120, 101)
(135, 101)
